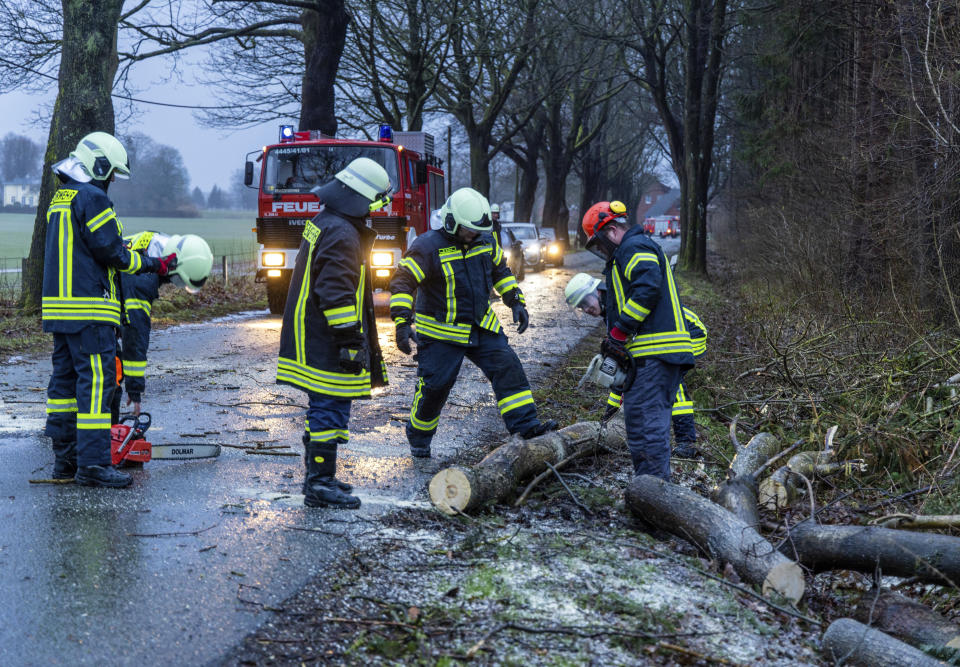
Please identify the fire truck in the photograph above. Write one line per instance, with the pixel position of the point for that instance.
(291, 168)
(662, 225)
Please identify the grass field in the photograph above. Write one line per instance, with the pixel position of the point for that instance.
(227, 232)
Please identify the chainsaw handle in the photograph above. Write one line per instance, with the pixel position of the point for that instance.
(143, 422)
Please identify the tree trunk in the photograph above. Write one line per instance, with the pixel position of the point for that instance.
(716, 532)
(738, 493)
(898, 553)
(555, 212)
(907, 620)
(527, 195)
(462, 489)
(88, 64)
(479, 162)
(324, 36)
(851, 643)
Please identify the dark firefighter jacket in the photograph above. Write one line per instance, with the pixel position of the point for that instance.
(329, 287)
(84, 251)
(139, 293)
(453, 282)
(642, 301)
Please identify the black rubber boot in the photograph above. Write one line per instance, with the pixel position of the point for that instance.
(686, 450)
(419, 443)
(343, 486)
(107, 476)
(65, 459)
(320, 487)
(539, 429)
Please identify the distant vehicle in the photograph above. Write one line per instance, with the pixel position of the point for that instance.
(534, 251)
(662, 225)
(513, 253)
(554, 253)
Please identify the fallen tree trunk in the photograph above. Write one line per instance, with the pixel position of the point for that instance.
(780, 489)
(909, 621)
(716, 532)
(930, 557)
(738, 493)
(851, 643)
(919, 521)
(461, 489)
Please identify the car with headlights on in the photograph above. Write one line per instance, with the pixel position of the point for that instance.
(534, 251)
(553, 252)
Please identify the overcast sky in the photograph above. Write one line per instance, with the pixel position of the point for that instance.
(210, 155)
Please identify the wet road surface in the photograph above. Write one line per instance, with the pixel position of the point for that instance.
(190, 559)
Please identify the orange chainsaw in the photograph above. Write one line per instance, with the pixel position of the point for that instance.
(127, 444)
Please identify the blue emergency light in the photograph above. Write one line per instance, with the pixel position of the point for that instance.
(386, 133)
(286, 133)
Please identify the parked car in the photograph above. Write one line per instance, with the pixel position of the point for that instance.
(513, 253)
(553, 256)
(534, 251)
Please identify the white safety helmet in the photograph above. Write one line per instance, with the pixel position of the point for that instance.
(579, 287)
(102, 154)
(194, 261)
(366, 177)
(494, 208)
(467, 208)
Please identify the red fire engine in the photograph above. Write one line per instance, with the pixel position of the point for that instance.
(662, 225)
(302, 160)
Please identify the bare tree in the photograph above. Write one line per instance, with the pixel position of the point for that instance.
(19, 156)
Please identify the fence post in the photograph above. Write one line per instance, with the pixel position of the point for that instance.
(226, 277)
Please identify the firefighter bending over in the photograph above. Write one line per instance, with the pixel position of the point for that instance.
(194, 261)
(645, 329)
(454, 269)
(328, 343)
(81, 308)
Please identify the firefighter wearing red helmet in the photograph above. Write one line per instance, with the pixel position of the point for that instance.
(646, 331)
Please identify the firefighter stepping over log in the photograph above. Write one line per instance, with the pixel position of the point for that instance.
(328, 342)
(451, 271)
(83, 256)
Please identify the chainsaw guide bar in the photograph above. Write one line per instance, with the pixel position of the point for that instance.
(186, 451)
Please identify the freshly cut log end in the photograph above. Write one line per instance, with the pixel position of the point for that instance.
(851, 643)
(786, 579)
(908, 621)
(450, 490)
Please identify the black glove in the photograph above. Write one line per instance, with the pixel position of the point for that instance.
(404, 335)
(520, 315)
(350, 344)
(617, 351)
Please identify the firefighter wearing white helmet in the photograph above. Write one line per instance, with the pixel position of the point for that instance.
(139, 294)
(453, 268)
(581, 292)
(84, 257)
(328, 342)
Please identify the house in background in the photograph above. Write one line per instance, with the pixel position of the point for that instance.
(658, 199)
(19, 193)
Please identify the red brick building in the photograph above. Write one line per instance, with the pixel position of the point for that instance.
(658, 199)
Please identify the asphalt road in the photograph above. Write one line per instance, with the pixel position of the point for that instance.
(181, 566)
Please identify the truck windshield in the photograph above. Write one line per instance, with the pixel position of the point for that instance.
(297, 169)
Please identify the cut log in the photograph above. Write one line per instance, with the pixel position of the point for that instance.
(738, 493)
(909, 621)
(754, 454)
(461, 489)
(851, 643)
(716, 532)
(932, 558)
(919, 521)
(779, 490)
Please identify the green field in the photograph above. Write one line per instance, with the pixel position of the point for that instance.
(227, 232)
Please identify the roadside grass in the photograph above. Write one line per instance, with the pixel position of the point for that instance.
(22, 334)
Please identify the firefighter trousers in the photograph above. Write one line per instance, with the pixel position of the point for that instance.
(684, 427)
(438, 367)
(81, 390)
(647, 410)
(327, 419)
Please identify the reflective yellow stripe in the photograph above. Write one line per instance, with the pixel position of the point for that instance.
(430, 327)
(490, 321)
(681, 406)
(300, 311)
(614, 399)
(505, 285)
(634, 310)
(96, 391)
(89, 421)
(415, 421)
(341, 315)
(674, 300)
(451, 291)
(344, 385)
(101, 219)
(482, 250)
(138, 304)
(329, 434)
(515, 401)
(359, 295)
(617, 287)
(134, 369)
(61, 405)
(636, 259)
(136, 262)
(411, 265)
(401, 300)
(80, 308)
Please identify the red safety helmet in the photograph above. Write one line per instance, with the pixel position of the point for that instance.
(600, 214)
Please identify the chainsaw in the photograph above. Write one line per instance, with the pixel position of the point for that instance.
(127, 444)
(605, 372)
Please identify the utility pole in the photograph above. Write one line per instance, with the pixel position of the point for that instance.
(449, 163)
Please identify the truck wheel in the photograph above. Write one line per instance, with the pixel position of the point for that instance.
(277, 294)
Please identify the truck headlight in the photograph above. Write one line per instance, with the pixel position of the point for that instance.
(273, 259)
(382, 259)
(274, 273)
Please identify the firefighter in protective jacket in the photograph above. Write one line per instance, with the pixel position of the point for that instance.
(194, 261)
(645, 330)
(452, 270)
(328, 343)
(82, 308)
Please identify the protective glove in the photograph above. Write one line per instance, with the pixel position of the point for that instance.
(167, 264)
(404, 335)
(350, 345)
(520, 315)
(614, 346)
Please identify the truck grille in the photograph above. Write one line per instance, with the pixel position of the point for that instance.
(389, 232)
(280, 232)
